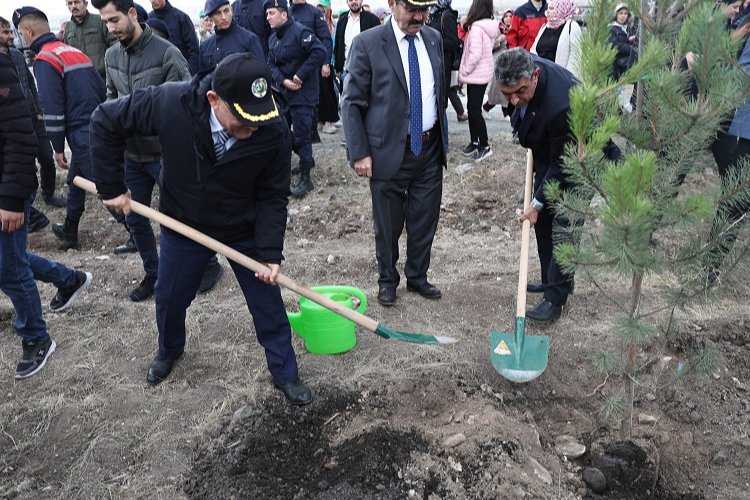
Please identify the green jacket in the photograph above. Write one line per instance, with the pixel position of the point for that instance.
(91, 37)
(146, 62)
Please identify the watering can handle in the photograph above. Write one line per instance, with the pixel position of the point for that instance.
(523, 268)
(242, 259)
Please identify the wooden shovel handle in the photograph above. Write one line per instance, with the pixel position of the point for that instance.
(523, 268)
(244, 260)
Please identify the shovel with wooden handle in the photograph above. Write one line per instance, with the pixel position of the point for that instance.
(514, 355)
(244, 260)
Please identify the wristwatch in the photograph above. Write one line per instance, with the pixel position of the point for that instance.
(537, 204)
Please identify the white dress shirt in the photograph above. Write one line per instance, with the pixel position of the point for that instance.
(352, 29)
(427, 78)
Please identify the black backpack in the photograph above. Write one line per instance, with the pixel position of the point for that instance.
(449, 31)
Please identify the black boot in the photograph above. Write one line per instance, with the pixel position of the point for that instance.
(128, 246)
(37, 220)
(304, 185)
(67, 233)
(54, 201)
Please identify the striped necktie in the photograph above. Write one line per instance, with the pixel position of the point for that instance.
(220, 141)
(415, 99)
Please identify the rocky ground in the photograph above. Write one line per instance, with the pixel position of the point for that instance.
(389, 420)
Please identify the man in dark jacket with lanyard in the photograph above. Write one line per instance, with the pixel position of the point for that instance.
(70, 89)
(230, 38)
(295, 57)
(226, 130)
(539, 90)
(251, 15)
(181, 30)
(350, 25)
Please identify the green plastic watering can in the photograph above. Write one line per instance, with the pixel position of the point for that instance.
(323, 331)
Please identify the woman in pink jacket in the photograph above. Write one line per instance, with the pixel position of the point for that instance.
(476, 72)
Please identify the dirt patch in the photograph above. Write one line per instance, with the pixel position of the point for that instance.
(276, 451)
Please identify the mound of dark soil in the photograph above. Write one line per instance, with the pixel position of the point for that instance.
(279, 451)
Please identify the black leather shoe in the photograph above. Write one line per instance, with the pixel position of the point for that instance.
(387, 296)
(536, 287)
(37, 220)
(160, 369)
(426, 290)
(127, 247)
(544, 312)
(296, 392)
(211, 277)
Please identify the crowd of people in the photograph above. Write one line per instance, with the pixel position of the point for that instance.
(139, 96)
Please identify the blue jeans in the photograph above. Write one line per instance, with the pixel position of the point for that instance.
(17, 282)
(181, 266)
(140, 177)
(49, 271)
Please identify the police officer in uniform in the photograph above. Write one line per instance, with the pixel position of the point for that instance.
(295, 57)
(230, 38)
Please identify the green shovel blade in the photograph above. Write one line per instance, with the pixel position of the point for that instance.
(518, 357)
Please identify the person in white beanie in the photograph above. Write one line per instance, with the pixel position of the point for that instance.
(622, 37)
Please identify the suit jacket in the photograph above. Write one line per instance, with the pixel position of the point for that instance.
(367, 20)
(375, 102)
(544, 128)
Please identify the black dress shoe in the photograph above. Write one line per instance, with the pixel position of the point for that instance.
(160, 369)
(544, 312)
(536, 287)
(426, 290)
(387, 296)
(127, 247)
(37, 220)
(296, 392)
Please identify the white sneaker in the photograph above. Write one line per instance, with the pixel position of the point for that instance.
(328, 129)
(482, 153)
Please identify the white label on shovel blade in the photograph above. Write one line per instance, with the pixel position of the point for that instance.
(502, 349)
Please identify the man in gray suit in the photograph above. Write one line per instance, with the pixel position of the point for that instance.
(397, 136)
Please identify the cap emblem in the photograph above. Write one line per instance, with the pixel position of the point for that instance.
(259, 88)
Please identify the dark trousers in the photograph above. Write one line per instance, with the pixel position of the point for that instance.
(140, 177)
(448, 58)
(45, 157)
(80, 164)
(558, 283)
(728, 213)
(477, 126)
(412, 198)
(458, 106)
(301, 121)
(181, 266)
(17, 282)
(328, 105)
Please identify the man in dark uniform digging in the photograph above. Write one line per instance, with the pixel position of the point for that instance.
(226, 158)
